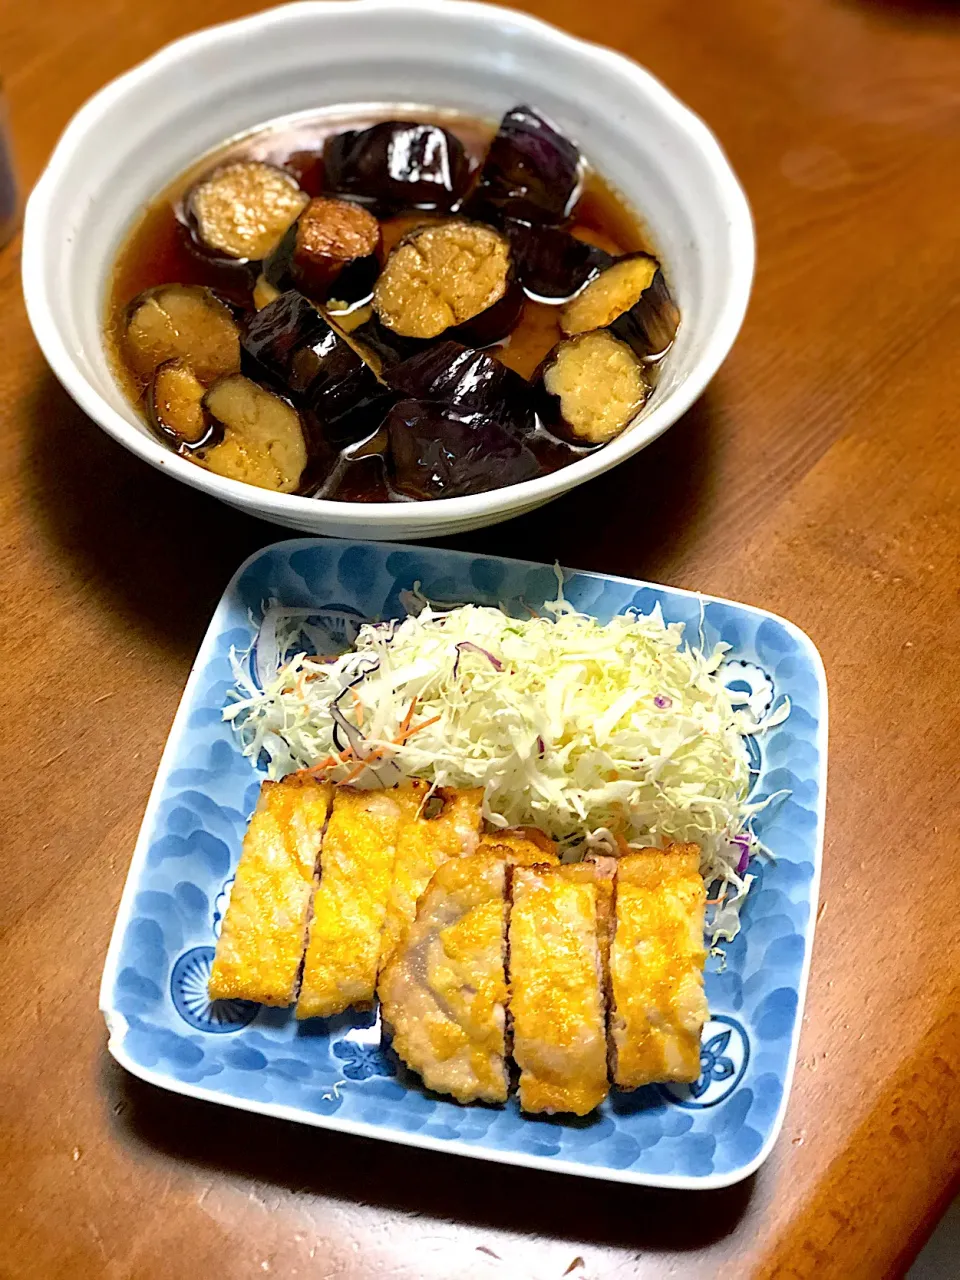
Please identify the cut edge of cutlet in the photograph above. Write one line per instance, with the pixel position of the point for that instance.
(314, 883)
(511, 864)
(605, 870)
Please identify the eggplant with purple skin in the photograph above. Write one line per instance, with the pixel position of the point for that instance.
(589, 388)
(454, 278)
(333, 246)
(436, 452)
(531, 172)
(631, 299)
(397, 165)
(298, 348)
(274, 333)
(551, 264)
(467, 380)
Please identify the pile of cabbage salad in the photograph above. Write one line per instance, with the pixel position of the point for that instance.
(603, 735)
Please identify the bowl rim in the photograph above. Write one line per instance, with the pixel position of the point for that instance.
(283, 507)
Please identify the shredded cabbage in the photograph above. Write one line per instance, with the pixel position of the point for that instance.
(601, 735)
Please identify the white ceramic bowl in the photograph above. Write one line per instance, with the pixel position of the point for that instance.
(139, 132)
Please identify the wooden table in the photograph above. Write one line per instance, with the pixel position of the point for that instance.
(817, 477)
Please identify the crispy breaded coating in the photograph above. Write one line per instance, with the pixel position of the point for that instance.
(443, 991)
(557, 1003)
(425, 843)
(265, 927)
(656, 967)
(350, 904)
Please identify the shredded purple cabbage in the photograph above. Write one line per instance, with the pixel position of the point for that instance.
(475, 648)
(742, 843)
(662, 701)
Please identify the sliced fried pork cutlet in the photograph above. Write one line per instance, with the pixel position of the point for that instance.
(524, 846)
(265, 927)
(350, 904)
(426, 842)
(443, 991)
(656, 967)
(556, 984)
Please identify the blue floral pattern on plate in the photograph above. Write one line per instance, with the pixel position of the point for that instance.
(334, 1072)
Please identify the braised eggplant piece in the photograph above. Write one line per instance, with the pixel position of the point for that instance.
(175, 403)
(632, 299)
(275, 332)
(397, 165)
(467, 380)
(531, 171)
(437, 452)
(180, 321)
(334, 236)
(291, 343)
(339, 387)
(590, 387)
(242, 210)
(263, 441)
(446, 277)
(551, 263)
(333, 242)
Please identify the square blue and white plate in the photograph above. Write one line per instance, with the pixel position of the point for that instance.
(333, 1073)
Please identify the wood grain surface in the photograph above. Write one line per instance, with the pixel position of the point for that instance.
(816, 477)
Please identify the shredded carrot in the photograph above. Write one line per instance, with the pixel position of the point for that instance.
(358, 708)
(622, 845)
(331, 762)
(358, 768)
(407, 734)
(407, 719)
(715, 902)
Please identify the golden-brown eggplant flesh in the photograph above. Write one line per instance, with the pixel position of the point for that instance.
(441, 276)
(242, 210)
(175, 403)
(263, 442)
(332, 235)
(590, 387)
(631, 298)
(185, 322)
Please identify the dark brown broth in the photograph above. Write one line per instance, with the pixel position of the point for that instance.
(156, 251)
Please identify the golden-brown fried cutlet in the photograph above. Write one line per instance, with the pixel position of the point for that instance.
(350, 904)
(656, 967)
(424, 844)
(265, 926)
(443, 991)
(556, 994)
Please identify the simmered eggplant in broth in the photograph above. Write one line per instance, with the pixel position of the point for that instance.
(376, 309)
